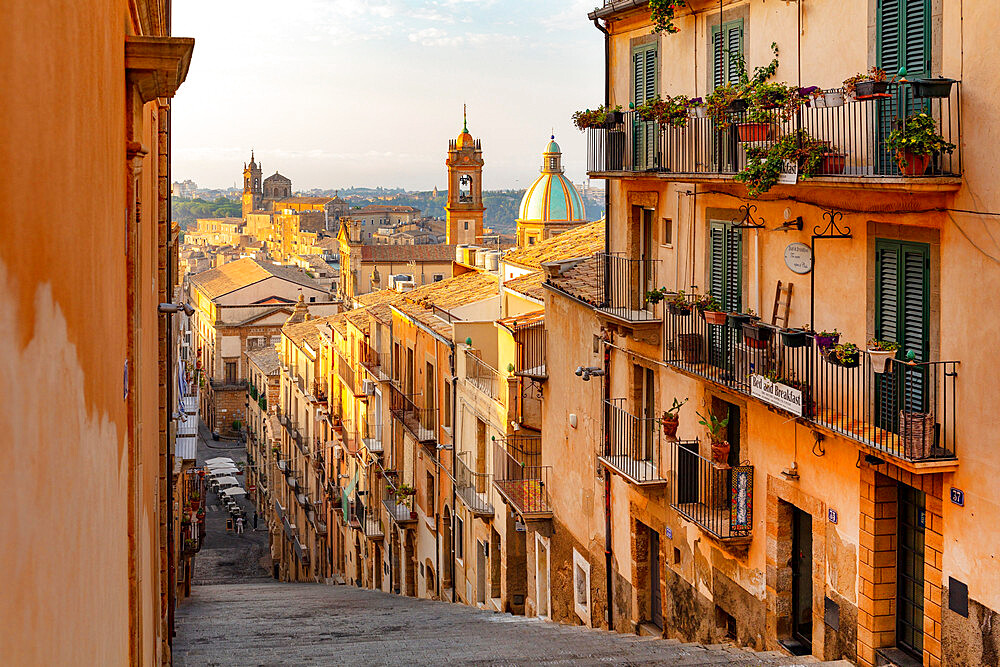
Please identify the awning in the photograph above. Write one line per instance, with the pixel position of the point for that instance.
(235, 491)
(224, 481)
(218, 459)
(223, 471)
(185, 448)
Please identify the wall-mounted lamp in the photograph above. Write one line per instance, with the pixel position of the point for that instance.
(171, 308)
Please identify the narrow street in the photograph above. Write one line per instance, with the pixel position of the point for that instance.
(237, 615)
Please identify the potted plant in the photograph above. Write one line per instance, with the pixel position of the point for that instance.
(756, 125)
(737, 320)
(866, 85)
(711, 310)
(765, 164)
(932, 87)
(717, 434)
(671, 418)
(661, 12)
(881, 351)
(678, 304)
(845, 355)
(832, 162)
(696, 108)
(200, 514)
(757, 335)
(668, 112)
(795, 337)
(827, 339)
(654, 296)
(914, 141)
(600, 117)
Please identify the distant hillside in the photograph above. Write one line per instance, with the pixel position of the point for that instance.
(184, 211)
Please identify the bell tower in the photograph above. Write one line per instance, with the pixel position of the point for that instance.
(464, 211)
(252, 189)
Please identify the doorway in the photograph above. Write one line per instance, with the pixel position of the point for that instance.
(655, 604)
(542, 576)
(482, 549)
(802, 619)
(910, 572)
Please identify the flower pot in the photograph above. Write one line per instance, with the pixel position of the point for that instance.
(739, 106)
(698, 112)
(757, 336)
(670, 423)
(936, 87)
(753, 131)
(720, 451)
(834, 98)
(825, 342)
(832, 358)
(880, 360)
(678, 310)
(614, 118)
(867, 89)
(794, 338)
(833, 163)
(413, 515)
(737, 320)
(716, 317)
(911, 164)
(819, 101)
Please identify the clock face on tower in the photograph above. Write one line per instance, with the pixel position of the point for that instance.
(465, 188)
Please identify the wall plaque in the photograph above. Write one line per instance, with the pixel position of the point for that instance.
(798, 257)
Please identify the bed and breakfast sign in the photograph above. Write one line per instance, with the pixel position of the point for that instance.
(777, 394)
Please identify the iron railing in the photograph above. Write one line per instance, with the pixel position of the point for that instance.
(622, 285)
(906, 410)
(523, 485)
(345, 370)
(482, 376)
(420, 422)
(531, 339)
(855, 133)
(319, 390)
(632, 444)
(400, 513)
(717, 497)
(473, 488)
(377, 363)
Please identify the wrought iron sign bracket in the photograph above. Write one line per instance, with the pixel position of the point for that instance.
(746, 220)
(832, 231)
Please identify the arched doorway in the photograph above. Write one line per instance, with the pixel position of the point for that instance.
(448, 569)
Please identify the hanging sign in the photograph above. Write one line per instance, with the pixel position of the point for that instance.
(777, 394)
(741, 510)
(798, 257)
(789, 172)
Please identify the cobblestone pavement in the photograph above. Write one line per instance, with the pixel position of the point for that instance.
(226, 557)
(302, 624)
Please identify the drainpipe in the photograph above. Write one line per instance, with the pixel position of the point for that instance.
(454, 449)
(607, 354)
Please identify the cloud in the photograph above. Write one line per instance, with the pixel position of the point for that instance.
(438, 37)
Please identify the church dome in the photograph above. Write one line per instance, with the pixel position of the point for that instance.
(465, 139)
(552, 197)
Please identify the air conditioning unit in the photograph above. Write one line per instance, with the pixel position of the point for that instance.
(338, 452)
(368, 387)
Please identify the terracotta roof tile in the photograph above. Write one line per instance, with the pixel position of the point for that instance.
(426, 303)
(580, 281)
(244, 272)
(530, 285)
(431, 252)
(577, 242)
(266, 360)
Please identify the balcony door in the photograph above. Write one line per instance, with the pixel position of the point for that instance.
(902, 314)
(725, 283)
(644, 70)
(727, 51)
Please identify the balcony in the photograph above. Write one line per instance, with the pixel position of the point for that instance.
(368, 517)
(372, 443)
(906, 410)
(530, 338)
(420, 422)
(319, 390)
(345, 371)
(632, 446)
(401, 514)
(520, 480)
(701, 150)
(482, 376)
(715, 496)
(377, 363)
(473, 488)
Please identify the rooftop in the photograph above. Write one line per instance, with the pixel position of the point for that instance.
(309, 331)
(242, 273)
(583, 240)
(307, 200)
(265, 359)
(578, 279)
(432, 252)
(424, 302)
(530, 285)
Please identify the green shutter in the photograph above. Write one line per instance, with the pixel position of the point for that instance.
(643, 73)
(726, 269)
(904, 36)
(725, 52)
(717, 270)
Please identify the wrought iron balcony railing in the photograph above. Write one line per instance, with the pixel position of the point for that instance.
(622, 284)
(482, 376)
(400, 513)
(524, 485)
(905, 409)
(473, 488)
(855, 133)
(345, 370)
(420, 422)
(377, 363)
(717, 497)
(632, 445)
(531, 339)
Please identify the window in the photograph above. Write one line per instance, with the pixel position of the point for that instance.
(904, 36)
(726, 52)
(430, 494)
(726, 269)
(668, 231)
(230, 372)
(581, 586)
(446, 408)
(438, 277)
(531, 240)
(466, 224)
(459, 538)
(312, 299)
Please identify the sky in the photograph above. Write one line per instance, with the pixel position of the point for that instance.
(342, 93)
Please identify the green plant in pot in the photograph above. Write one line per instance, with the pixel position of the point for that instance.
(403, 492)
(865, 85)
(881, 351)
(765, 164)
(717, 434)
(795, 337)
(757, 335)
(711, 310)
(679, 304)
(827, 339)
(671, 418)
(654, 296)
(668, 111)
(601, 117)
(737, 320)
(845, 355)
(914, 141)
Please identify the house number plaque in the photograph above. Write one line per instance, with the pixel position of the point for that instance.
(798, 257)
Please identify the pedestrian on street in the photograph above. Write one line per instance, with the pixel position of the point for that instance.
(239, 525)
(255, 520)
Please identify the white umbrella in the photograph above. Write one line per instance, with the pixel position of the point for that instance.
(227, 481)
(220, 464)
(219, 458)
(235, 491)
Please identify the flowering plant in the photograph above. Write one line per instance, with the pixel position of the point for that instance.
(917, 135)
(662, 14)
(668, 112)
(596, 118)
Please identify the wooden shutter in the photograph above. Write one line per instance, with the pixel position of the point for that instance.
(717, 270)
(727, 45)
(904, 36)
(725, 271)
(643, 73)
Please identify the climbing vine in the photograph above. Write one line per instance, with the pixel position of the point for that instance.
(662, 13)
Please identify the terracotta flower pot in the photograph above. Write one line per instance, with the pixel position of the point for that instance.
(833, 163)
(720, 451)
(912, 165)
(753, 131)
(670, 423)
(715, 316)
